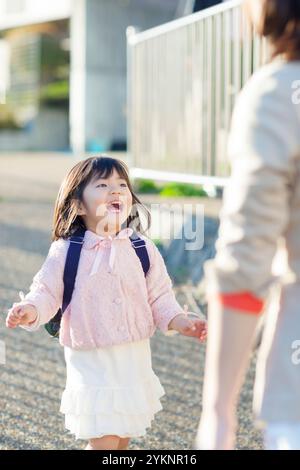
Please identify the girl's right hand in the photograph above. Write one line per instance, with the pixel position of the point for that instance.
(20, 314)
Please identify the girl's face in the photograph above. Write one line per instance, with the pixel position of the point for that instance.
(106, 204)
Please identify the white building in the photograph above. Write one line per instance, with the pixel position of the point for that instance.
(95, 35)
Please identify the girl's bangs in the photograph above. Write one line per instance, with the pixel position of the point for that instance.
(104, 167)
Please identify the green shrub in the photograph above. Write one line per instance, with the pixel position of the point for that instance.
(168, 189)
(146, 187)
(56, 90)
(182, 189)
(55, 93)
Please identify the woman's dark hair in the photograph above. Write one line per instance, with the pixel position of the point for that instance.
(281, 24)
(66, 219)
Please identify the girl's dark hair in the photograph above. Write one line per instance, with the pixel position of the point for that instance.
(281, 24)
(66, 219)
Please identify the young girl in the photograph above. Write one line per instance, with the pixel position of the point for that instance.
(112, 392)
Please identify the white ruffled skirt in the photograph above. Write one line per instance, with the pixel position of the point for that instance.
(110, 391)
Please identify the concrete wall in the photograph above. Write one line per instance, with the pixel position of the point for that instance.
(104, 85)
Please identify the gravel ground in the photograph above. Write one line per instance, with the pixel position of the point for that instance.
(33, 377)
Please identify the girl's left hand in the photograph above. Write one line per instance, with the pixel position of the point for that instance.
(194, 327)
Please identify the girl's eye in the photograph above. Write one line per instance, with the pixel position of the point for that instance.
(104, 184)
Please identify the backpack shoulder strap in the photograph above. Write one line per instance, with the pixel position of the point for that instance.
(139, 246)
(71, 265)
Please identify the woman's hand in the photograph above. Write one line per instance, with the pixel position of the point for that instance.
(20, 314)
(194, 327)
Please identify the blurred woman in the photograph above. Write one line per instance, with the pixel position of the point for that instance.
(261, 208)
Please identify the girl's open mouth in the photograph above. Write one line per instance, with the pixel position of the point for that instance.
(115, 206)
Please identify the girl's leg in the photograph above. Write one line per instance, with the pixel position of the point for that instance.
(123, 443)
(103, 443)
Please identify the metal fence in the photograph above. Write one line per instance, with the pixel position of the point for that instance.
(183, 80)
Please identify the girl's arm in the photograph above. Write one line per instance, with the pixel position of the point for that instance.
(161, 297)
(46, 290)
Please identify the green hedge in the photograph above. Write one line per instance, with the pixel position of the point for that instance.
(168, 189)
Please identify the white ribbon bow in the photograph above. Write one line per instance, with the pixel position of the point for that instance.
(97, 242)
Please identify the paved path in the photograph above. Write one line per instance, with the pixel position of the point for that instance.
(33, 378)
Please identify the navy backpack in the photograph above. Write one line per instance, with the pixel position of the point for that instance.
(70, 271)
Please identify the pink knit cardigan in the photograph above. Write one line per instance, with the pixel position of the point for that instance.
(112, 302)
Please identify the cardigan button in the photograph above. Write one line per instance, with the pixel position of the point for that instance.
(118, 300)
